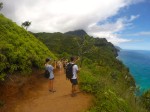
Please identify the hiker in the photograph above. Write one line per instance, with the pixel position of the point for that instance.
(54, 65)
(50, 68)
(65, 62)
(59, 66)
(74, 80)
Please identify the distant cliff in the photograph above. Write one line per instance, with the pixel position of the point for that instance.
(79, 33)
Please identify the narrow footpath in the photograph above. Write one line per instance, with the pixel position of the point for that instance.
(41, 100)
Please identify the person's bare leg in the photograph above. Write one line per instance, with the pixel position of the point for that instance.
(52, 86)
(73, 90)
(49, 85)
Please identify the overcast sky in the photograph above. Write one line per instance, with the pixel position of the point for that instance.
(111, 19)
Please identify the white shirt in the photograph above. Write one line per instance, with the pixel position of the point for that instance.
(75, 70)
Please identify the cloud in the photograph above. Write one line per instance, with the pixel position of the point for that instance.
(116, 40)
(109, 30)
(116, 26)
(66, 15)
(136, 1)
(142, 34)
(133, 17)
(113, 38)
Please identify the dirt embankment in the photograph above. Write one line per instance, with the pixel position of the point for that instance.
(33, 95)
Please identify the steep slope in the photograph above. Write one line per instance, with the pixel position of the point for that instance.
(19, 50)
(58, 42)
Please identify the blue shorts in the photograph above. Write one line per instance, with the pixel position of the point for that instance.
(74, 81)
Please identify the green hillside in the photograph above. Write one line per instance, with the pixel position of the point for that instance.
(64, 44)
(19, 50)
(102, 74)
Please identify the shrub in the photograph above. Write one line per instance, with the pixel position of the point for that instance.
(145, 100)
(19, 50)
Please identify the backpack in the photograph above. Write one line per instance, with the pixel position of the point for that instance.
(69, 71)
(46, 74)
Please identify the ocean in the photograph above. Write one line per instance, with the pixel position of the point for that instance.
(138, 61)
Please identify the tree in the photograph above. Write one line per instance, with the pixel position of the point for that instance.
(85, 45)
(26, 24)
(1, 5)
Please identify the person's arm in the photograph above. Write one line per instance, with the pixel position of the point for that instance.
(78, 70)
(54, 64)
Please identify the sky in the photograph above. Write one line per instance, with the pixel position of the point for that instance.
(125, 23)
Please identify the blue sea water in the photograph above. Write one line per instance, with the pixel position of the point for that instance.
(138, 61)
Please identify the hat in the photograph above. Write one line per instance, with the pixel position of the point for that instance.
(47, 59)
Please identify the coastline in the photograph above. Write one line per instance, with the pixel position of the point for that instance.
(138, 68)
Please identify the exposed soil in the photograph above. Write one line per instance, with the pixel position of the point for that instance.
(34, 96)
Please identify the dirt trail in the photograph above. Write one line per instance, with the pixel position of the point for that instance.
(41, 100)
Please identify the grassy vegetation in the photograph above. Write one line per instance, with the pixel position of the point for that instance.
(112, 94)
(19, 50)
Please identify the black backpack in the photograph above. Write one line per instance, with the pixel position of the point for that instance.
(69, 71)
(46, 74)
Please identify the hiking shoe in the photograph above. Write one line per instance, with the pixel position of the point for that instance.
(52, 91)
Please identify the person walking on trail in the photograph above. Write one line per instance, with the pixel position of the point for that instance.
(65, 62)
(59, 65)
(50, 68)
(74, 80)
